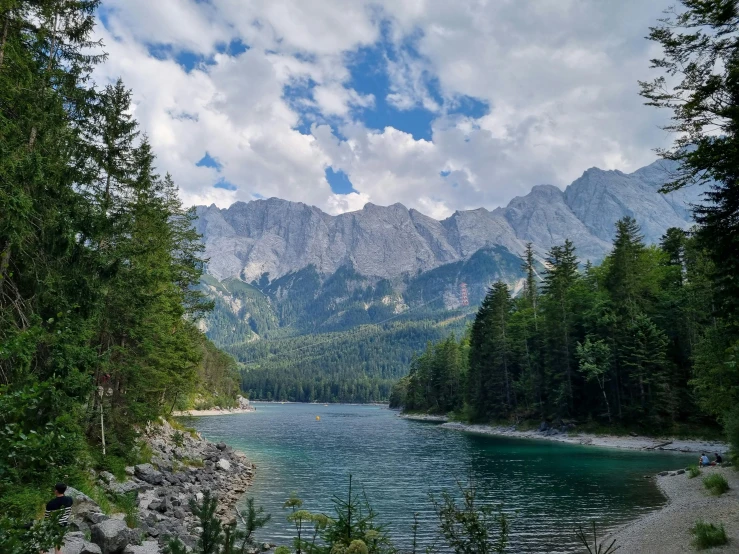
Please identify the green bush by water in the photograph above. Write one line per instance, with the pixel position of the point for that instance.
(716, 483)
(693, 471)
(706, 535)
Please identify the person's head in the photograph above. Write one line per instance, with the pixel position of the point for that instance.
(60, 489)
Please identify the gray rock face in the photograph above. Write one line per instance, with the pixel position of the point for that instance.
(147, 473)
(279, 237)
(112, 536)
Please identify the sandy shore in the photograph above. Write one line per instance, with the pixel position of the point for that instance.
(668, 530)
(198, 413)
(573, 437)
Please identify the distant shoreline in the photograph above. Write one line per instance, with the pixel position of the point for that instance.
(213, 412)
(586, 439)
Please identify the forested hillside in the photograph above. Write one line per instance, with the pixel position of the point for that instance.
(635, 341)
(343, 338)
(98, 265)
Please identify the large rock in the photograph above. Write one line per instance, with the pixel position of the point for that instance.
(147, 472)
(113, 536)
(148, 547)
(223, 464)
(84, 508)
(75, 543)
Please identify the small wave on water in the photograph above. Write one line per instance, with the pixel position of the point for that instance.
(546, 488)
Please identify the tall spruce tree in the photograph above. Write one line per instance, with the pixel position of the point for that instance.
(559, 282)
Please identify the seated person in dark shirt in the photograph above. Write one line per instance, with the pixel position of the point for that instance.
(60, 502)
(719, 459)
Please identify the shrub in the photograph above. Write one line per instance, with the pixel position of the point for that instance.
(178, 438)
(470, 526)
(706, 535)
(693, 471)
(128, 504)
(22, 502)
(716, 483)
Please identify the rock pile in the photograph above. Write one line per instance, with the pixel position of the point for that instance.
(182, 467)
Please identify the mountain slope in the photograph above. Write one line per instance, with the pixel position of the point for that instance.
(304, 299)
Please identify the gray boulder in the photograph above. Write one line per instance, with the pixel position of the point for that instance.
(112, 536)
(75, 543)
(125, 487)
(84, 508)
(147, 473)
(223, 464)
(147, 547)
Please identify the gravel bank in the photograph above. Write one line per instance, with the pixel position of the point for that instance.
(668, 530)
(571, 436)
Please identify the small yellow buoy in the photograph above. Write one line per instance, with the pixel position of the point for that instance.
(318, 418)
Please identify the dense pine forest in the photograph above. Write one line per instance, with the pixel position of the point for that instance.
(98, 265)
(625, 342)
(357, 365)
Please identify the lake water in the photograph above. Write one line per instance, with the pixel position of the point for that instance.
(548, 488)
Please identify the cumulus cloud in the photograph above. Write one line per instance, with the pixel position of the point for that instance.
(558, 78)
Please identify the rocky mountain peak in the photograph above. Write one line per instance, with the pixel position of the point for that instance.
(278, 237)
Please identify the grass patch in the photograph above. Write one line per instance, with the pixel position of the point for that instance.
(23, 503)
(706, 535)
(693, 471)
(180, 428)
(129, 505)
(98, 495)
(716, 484)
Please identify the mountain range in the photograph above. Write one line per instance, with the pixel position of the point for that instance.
(277, 237)
(293, 285)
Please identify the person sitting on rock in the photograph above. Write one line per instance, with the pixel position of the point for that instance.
(704, 461)
(60, 502)
(719, 459)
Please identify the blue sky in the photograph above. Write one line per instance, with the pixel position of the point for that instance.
(438, 105)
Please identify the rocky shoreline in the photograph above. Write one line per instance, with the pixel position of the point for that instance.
(568, 434)
(183, 466)
(213, 412)
(668, 529)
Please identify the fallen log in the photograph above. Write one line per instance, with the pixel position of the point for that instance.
(658, 445)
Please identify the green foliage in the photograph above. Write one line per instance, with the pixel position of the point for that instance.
(19, 537)
(305, 337)
(217, 538)
(595, 548)
(471, 528)
(716, 484)
(626, 345)
(693, 471)
(698, 84)
(707, 535)
(358, 365)
(178, 438)
(99, 264)
(129, 505)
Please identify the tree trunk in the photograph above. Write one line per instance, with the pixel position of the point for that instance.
(3, 41)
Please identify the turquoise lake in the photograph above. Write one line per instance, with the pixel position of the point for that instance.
(547, 488)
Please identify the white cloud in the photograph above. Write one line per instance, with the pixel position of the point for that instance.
(559, 77)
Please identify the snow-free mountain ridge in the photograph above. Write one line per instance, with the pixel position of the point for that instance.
(278, 237)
